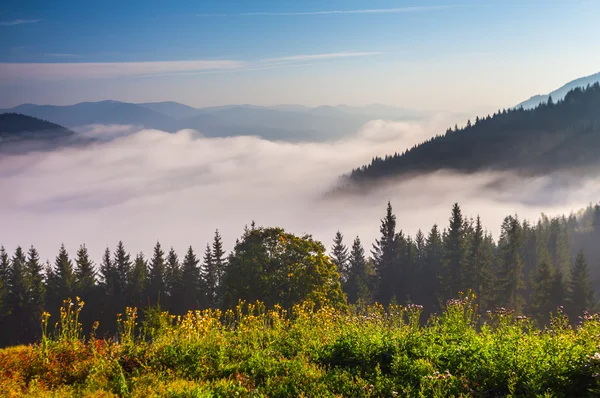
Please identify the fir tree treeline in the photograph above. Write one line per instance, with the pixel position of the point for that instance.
(531, 268)
(550, 137)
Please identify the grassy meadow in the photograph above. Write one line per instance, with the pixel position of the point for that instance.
(367, 351)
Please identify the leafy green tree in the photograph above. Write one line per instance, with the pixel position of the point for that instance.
(191, 283)
(156, 276)
(276, 267)
(385, 257)
(581, 291)
(339, 255)
(359, 284)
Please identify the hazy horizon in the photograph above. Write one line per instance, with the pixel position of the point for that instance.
(443, 55)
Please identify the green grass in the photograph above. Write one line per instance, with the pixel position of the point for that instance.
(307, 352)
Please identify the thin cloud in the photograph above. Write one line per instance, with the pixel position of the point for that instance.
(18, 22)
(91, 70)
(397, 10)
(99, 70)
(311, 57)
(62, 55)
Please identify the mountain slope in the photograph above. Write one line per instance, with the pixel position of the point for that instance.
(547, 138)
(15, 125)
(560, 93)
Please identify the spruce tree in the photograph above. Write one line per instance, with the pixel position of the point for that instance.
(138, 281)
(541, 301)
(432, 266)
(86, 288)
(385, 256)
(65, 276)
(455, 256)
(156, 276)
(339, 256)
(17, 300)
(218, 257)
(108, 288)
(210, 278)
(35, 295)
(191, 283)
(358, 285)
(122, 265)
(173, 282)
(581, 291)
(85, 274)
(4, 295)
(510, 284)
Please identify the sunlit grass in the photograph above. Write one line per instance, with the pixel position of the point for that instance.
(308, 351)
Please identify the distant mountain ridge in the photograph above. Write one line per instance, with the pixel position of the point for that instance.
(553, 136)
(281, 122)
(560, 93)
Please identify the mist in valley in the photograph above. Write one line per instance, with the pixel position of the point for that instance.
(140, 186)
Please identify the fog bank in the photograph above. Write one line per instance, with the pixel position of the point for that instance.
(141, 186)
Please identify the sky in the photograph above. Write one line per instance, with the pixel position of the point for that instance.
(462, 55)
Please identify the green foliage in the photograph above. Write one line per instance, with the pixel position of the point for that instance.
(253, 351)
(276, 267)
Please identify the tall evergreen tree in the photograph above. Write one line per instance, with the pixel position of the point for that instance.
(510, 282)
(108, 308)
(581, 291)
(65, 275)
(218, 257)
(85, 274)
(191, 283)
(4, 294)
(138, 281)
(86, 288)
(173, 281)
(17, 300)
(210, 278)
(455, 256)
(35, 295)
(358, 286)
(122, 265)
(432, 266)
(339, 255)
(385, 256)
(156, 276)
(541, 301)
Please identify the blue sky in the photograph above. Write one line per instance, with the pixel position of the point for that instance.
(449, 55)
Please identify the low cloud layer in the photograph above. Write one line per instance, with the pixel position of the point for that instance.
(143, 186)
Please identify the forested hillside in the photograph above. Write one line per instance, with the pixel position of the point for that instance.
(532, 268)
(14, 125)
(553, 136)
